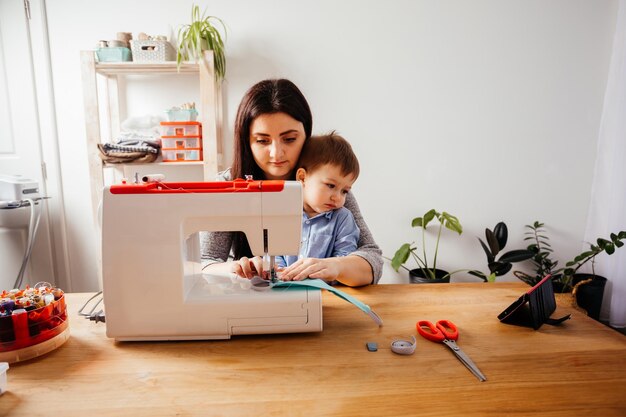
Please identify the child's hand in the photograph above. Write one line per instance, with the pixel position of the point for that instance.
(325, 269)
(248, 267)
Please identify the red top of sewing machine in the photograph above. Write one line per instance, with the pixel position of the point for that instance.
(236, 186)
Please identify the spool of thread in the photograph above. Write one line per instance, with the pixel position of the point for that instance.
(153, 178)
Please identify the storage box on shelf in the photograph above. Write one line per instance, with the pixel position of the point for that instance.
(187, 129)
(181, 141)
(181, 155)
(113, 54)
(181, 115)
(152, 51)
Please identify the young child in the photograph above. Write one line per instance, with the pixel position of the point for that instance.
(327, 169)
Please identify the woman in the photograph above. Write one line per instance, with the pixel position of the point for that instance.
(272, 123)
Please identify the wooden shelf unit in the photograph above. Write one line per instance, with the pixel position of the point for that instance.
(210, 112)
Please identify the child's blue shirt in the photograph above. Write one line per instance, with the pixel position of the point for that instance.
(330, 234)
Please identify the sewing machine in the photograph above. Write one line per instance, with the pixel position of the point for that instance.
(153, 285)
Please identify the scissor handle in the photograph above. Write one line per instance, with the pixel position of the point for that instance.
(428, 330)
(448, 329)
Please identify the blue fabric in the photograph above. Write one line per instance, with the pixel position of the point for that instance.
(318, 283)
(327, 235)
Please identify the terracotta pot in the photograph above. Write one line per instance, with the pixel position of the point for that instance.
(416, 276)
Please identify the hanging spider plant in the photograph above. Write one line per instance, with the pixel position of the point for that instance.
(202, 35)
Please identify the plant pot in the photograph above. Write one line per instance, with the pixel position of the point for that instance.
(589, 296)
(558, 286)
(416, 276)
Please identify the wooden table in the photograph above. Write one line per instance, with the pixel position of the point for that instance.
(578, 368)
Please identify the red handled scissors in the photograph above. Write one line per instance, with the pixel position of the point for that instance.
(446, 332)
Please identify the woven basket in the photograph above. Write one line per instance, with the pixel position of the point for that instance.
(152, 51)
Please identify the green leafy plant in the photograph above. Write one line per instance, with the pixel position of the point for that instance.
(496, 241)
(202, 35)
(544, 265)
(446, 220)
(542, 252)
(603, 245)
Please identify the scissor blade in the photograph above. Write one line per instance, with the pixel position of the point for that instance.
(465, 360)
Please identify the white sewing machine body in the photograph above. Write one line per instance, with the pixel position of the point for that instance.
(153, 285)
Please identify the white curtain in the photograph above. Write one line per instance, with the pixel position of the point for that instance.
(607, 211)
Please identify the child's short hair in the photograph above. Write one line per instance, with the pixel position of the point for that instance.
(329, 149)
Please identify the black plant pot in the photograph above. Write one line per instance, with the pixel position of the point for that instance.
(558, 286)
(589, 296)
(416, 276)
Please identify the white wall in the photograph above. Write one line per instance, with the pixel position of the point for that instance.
(486, 109)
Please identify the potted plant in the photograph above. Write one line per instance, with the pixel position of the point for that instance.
(202, 35)
(426, 272)
(496, 241)
(541, 259)
(587, 288)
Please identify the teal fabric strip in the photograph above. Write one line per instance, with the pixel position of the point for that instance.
(322, 285)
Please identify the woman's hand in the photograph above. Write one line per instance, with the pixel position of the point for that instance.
(325, 269)
(248, 267)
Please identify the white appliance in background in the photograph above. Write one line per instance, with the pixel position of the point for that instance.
(153, 285)
(17, 188)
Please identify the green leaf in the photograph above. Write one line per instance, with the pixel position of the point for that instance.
(417, 222)
(517, 255)
(401, 256)
(429, 216)
(501, 233)
(492, 241)
(526, 278)
(499, 268)
(452, 223)
(490, 256)
(478, 274)
(609, 248)
(583, 256)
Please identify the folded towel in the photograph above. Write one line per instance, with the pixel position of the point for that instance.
(120, 154)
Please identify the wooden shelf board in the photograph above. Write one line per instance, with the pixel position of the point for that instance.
(169, 67)
(156, 164)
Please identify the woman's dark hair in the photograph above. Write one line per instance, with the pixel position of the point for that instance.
(265, 97)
